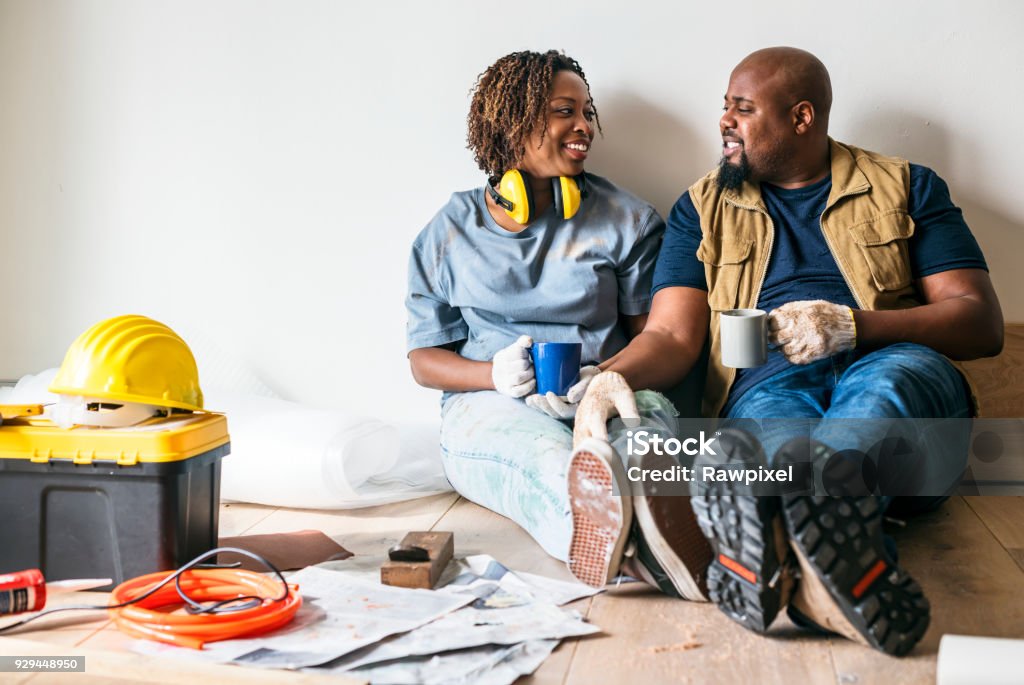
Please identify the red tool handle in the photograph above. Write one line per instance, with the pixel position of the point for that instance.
(22, 591)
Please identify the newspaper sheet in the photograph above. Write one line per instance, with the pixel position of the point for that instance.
(507, 608)
(487, 665)
(349, 620)
(339, 615)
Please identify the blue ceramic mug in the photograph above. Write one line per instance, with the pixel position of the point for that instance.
(556, 366)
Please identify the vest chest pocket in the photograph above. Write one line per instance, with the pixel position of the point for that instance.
(883, 245)
(724, 261)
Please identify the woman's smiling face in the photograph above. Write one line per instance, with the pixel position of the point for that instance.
(560, 143)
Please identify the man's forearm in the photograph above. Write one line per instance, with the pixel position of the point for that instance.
(654, 360)
(961, 328)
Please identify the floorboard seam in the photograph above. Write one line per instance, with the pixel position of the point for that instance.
(832, 660)
(572, 658)
(1018, 555)
(445, 512)
(989, 529)
(81, 643)
(1008, 550)
(258, 522)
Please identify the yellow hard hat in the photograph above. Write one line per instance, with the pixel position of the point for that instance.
(131, 359)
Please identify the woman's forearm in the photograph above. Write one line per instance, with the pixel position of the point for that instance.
(441, 369)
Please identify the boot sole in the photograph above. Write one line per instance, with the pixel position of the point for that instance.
(743, 579)
(839, 540)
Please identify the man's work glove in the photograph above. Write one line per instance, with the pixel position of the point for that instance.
(512, 369)
(607, 396)
(564, 407)
(810, 330)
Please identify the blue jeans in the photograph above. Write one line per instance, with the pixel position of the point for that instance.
(512, 459)
(901, 381)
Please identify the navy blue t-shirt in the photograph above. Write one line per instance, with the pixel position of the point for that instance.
(801, 267)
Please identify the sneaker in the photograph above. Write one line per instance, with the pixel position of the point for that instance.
(850, 584)
(749, 577)
(669, 542)
(600, 519)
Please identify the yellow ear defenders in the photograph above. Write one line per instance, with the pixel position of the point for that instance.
(515, 195)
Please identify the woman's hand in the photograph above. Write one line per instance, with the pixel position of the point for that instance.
(607, 396)
(564, 407)
(512, 369)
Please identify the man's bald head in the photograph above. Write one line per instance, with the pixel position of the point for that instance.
(775, 121)
(792, 75)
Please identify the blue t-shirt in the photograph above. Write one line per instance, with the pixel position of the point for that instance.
(473, 282)
(801, 266)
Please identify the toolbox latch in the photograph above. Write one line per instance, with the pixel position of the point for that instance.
(40, 457)
(128, 458)
(83, 457)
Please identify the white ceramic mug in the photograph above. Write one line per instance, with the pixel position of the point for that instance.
(744, 335)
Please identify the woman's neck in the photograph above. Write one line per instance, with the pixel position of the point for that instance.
(542, 199)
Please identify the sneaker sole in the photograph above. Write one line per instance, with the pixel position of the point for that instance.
(839, 541)
(600, 520)
(745, 535)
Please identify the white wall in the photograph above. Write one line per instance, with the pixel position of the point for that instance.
(257, 170)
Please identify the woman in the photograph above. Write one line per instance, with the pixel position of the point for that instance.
(523, 259)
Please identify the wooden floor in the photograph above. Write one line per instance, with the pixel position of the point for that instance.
(968, 557)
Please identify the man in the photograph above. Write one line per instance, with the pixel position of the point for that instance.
(873, 282)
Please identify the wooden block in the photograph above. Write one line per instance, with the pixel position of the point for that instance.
(440, 547)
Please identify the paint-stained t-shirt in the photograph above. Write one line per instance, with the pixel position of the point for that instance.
(474, 283)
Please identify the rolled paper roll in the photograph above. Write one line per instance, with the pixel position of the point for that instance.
(968, 660)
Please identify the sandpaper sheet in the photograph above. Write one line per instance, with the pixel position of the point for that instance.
(287, 551)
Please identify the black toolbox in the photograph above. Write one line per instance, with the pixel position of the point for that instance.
(109, 502)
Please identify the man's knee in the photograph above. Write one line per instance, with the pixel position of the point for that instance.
(916, 379)
(906, 353)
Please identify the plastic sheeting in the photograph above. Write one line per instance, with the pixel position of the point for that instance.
(286, 454)
(289, 455)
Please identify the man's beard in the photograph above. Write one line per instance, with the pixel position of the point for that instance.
(732, 176)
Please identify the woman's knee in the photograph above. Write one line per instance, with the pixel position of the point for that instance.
(653, 402)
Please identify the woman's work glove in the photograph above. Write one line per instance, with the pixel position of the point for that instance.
(512, 369)
(607, 396)
(810, 330)
(564, 407)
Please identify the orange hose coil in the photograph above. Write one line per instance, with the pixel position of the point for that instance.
(149, 618)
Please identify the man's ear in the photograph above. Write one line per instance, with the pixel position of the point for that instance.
(803, 117)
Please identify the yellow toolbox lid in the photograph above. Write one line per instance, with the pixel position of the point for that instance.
(174, 438)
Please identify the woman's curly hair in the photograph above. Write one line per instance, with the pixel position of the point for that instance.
(509, 100)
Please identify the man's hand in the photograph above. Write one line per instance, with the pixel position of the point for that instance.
(512, 369)
(564, 407)
(810, 330)
(608, 395)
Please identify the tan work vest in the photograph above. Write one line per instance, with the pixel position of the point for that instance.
(865, 224)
